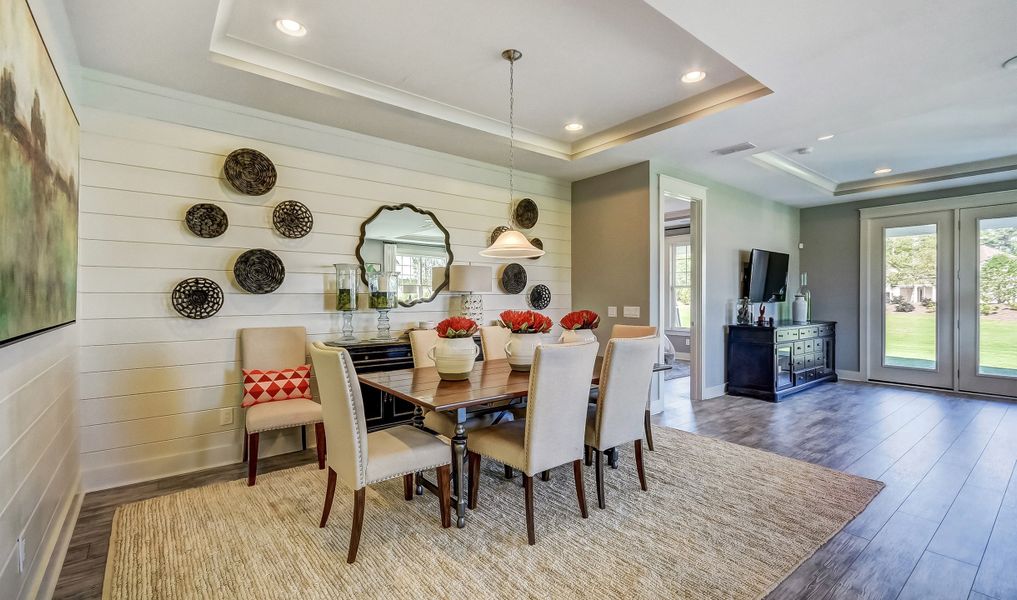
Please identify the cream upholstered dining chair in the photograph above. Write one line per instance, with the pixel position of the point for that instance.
(493, 339)
(362, 458)
(551, 435)
(275, 349)
(421, 342)
(618, 417)
(634, 331)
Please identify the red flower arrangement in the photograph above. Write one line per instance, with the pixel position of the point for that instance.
(526, 321)
(580, 319)
(456, 327)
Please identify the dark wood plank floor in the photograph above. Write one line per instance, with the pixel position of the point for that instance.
(945, 526)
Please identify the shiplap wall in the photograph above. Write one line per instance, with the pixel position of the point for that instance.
(38, 455)
(153, 383)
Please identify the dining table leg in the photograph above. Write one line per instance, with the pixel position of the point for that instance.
(458, 478)
(418, 422)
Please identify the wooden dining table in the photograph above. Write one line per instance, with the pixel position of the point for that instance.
(490, 381)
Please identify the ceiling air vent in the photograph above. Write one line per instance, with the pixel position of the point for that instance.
(732, 149)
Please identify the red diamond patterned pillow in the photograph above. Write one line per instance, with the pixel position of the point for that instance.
(270, 386)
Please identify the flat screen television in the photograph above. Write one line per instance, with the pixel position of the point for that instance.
(766, 276)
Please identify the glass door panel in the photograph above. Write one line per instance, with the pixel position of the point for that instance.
(988, 320)
(911, 299)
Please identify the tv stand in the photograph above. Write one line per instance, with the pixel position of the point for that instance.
(773, 362)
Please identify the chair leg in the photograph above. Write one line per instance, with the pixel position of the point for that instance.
(329, 495)
(612, 458)
(577, 472)
(408, 486)
(245, 444)
(319, 435)
(445, 495)
(600, 478)
(252, 458)
(649, 432)
(303, 437)
(545, 476)
(588, 455)
(508, 472)
(474, 478)
(531, 538)
(358, 522)
(639, 464)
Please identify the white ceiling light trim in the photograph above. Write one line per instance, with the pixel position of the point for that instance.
(291, 27)
(823, 138)
(694, 76)
(882, 171)
(574, 127)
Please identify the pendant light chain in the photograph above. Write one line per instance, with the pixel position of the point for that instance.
(512, 126)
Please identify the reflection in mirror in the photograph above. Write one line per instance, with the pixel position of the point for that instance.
(409, 242)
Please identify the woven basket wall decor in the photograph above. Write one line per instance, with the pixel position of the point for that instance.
(540, 297)
(249, 172)
(206, 220)
(259, 271)
(197, 298)
(513, 278)
(292, 219)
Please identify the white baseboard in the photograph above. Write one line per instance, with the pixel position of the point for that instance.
(56, 546)
(683, 356)
(850, 375)
(715, 391)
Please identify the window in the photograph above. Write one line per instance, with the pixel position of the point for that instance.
(415, 265)
(679, 283)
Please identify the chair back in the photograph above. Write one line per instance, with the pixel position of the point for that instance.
(493, 339)
(556, 406)
(624, 387)
(273, 348)
(421, 342)
(342, 410)
(632, 331)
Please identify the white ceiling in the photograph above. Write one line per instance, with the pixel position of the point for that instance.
(913, 84)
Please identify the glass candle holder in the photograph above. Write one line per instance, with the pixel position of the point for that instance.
(384, 294)
(346, 285)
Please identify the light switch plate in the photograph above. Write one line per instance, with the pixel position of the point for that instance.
(612, 311)
(632, 312)
(226, 416)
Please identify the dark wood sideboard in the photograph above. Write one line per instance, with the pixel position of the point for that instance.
(380, 409)
(773, 362)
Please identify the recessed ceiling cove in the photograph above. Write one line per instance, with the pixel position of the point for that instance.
(443, 60)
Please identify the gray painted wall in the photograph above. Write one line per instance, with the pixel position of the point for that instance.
(831, 258)
(611, 245)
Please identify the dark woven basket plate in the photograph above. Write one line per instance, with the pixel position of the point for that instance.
(537, 243)
(206, 220)
(249, 172)
(513, 278)
(259, 271)
(540, 297)
(526, 213)
(292, 219)
(497, 233)
(197, 298)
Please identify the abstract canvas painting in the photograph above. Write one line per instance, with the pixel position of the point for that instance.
(38, 183)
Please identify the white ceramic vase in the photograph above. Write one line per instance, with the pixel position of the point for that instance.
(578, 336)
(454, 358)
(520, 349)
(800, 309)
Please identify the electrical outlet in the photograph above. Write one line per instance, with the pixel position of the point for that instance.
(21, 555)
(631, 311)
(688, 342)
(226, 416)
(612, 311)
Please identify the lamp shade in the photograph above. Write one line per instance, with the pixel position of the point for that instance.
(470, 278)
(512, 244)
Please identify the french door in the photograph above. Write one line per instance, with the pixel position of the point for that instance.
(910, 304)
(987, 315)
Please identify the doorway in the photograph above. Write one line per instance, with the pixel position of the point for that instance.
(940, 295)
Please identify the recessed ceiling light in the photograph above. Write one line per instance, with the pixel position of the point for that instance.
(291, 27)
(574, 127)
(1011, 63)
(882, 171)
(694, 76)
(823, 138)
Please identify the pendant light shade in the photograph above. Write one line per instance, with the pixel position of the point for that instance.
(512, 244)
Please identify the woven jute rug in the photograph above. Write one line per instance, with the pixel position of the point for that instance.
(719, 521)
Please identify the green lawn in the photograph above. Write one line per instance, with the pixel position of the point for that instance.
(910, 337)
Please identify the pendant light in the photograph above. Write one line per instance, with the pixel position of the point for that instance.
(512, 244)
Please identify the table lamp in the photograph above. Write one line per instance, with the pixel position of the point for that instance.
(471, 280)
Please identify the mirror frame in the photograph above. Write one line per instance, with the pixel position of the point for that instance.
(437, 223)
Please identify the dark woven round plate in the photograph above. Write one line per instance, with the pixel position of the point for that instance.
(513, 278)
(197, 298)
(249, 172)
(526, 213)
(206, 220)
(259, 271)
(540, 297)
(497, 233)
(292, 219)
(537, 243)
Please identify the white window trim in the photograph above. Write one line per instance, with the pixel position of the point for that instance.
(684, 239)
